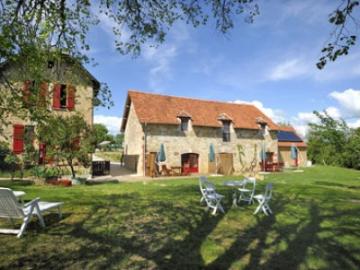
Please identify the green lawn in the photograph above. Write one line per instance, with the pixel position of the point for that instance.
(161, 225)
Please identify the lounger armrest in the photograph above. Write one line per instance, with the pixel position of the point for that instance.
(36, 200)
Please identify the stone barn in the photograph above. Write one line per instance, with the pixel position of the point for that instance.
(196, 136)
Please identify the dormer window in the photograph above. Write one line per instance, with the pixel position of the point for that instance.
(226, 121)
(184, 125)
(226, 131)
(184, 118)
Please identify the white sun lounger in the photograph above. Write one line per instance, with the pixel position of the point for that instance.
(11, 209)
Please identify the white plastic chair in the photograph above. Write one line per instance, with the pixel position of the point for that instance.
(263, 200)
(11, 209)
(247, 191)
(209, 195)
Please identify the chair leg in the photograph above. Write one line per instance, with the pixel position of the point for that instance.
(23, 226)
(259, 207)
(59, 211)
(39, 215)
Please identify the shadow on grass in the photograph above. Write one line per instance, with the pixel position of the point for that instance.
(332, 184)
(165, 229)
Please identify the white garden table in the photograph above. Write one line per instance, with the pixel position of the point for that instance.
(234, 184)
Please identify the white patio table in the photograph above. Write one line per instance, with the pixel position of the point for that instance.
(234, 184)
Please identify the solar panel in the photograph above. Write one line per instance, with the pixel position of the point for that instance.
(288, 136)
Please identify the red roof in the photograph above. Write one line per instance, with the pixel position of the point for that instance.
(161, 109)
(286, 128)
(289, 144)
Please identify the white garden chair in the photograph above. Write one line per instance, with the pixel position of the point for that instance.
(247, 190)
(263, 200)
(11, 209)
(209, 195)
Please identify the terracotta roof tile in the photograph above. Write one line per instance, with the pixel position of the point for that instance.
(289, 144)
(161, 109)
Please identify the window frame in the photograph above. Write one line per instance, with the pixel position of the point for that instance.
(226, 137)
(184, 123)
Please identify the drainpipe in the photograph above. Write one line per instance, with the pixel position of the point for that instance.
(144, 150)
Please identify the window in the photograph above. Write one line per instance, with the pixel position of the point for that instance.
(184, 125)
(18, 139)
(226, 131)
(64, 97)
(26, 92)
(22, 136)
(63, 94)
(29, 135)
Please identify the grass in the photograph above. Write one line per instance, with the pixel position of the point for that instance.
(112, 156)
(161, 225)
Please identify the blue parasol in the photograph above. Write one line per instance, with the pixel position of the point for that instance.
(161, 154)
(211, 153)
(294, 152)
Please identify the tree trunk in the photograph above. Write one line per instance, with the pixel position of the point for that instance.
(70, 163)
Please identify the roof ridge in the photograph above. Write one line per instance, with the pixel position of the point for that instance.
(189, 98)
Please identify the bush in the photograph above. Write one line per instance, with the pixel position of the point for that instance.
(4, 151)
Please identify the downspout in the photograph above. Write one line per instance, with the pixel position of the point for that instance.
(144, 150)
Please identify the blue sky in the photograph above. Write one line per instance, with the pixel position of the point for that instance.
(270, 63)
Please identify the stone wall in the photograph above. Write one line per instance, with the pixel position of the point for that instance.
(83, 105)
(198, 140)
(285, 156)
(134, 139)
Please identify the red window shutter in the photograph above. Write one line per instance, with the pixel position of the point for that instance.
(56, 96)
(18, 139)
(43, 94)
(71, 97)
(26, 92)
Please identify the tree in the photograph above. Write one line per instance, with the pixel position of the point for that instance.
(34, 32)
(343, 37)
(68, 139)
(327, 140)
(118, 140)
(101, 133)
(352, 150)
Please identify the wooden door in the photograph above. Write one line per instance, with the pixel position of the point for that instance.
(225, 163)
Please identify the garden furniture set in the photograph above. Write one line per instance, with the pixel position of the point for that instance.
(246, 190)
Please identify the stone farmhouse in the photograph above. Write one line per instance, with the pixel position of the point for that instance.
(69, 89)
(197, 136)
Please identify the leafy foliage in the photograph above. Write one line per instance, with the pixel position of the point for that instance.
(352, 150)
(68, 139)
(332, 142)
(342, 38)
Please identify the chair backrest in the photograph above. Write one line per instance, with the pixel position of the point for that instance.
(268, 191)
(9, 205)
(205, 184)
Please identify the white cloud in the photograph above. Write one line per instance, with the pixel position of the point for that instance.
(355, 124)
(160, 59)
(112, 123)
(306, 117)
(333, 112)
(288, 69)
(274, 114)
(303, 119)
(349, 100)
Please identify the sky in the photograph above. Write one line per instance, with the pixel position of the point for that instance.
(270, 63)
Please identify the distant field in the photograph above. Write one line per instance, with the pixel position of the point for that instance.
(112, 156)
